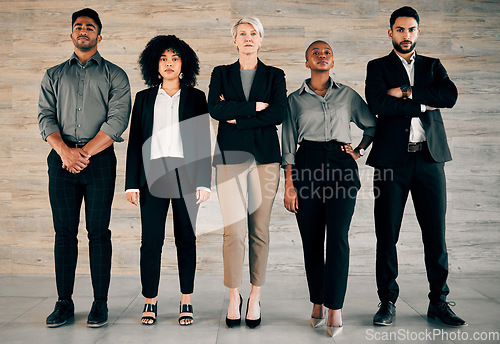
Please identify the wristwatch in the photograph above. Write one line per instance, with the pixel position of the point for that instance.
(406, 89)
(361, 151)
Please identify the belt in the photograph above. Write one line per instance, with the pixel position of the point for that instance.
(328, 145)
(416, 147)
(71, 144)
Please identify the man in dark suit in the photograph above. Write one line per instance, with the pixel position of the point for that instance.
(405, 91)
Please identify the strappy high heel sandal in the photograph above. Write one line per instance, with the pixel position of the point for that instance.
(186, 308)
(151, 308)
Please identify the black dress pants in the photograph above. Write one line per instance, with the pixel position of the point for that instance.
(95, 184)
(425, 179)
(153, 217)
(326, 181)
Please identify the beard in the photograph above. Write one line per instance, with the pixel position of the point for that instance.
(401, 50)
(85, 45)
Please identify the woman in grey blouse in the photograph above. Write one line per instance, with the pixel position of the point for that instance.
(321, 178)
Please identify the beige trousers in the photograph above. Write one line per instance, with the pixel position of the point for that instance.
(246, 194)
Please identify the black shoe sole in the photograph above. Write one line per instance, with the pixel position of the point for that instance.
(68, 321)
(56, 325)
(434, 319)
(97, 325)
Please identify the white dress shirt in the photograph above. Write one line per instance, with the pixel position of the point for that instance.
(417, 132)
(166, 140)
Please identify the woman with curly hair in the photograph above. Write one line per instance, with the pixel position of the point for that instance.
(248, 98)
(168, 161)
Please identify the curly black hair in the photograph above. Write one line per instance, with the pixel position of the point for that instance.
(150, 58)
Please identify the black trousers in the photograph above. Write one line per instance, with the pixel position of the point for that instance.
(326, 181)
(96, 185)
(425, 179)
(153, 217)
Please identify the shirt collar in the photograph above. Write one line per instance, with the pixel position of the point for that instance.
(96, 58)
(412, 59)
(162, 91)
(305, 86)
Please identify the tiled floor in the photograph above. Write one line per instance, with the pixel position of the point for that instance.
(25, 301)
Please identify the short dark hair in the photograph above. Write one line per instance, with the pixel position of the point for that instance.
(405, 11)
(317, 41)
(87, 12)
(150, 57)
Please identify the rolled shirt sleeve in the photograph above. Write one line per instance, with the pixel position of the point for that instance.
(47, 114)
(118, 107)
(289, 136)
(361, 115)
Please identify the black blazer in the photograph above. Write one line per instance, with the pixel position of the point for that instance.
(432, 87)
(195, 136)
(254, 133)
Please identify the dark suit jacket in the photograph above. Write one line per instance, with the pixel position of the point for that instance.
(195, 135)
(254, 133)
(432, 87)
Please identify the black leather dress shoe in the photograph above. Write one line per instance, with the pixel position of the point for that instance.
(98, 315)
(386, 313)
(63, 311)
(441, 311)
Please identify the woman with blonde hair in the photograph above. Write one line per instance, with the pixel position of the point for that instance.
(248, 98)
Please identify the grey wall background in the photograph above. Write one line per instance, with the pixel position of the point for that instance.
(465, 35)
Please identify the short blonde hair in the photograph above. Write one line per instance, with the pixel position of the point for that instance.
(255, 22)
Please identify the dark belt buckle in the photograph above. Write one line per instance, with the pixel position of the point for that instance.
(414, 147)
(75, 144)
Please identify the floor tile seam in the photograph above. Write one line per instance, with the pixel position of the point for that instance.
(221, 312)
(486, 296)
(126, 308)
(423, 317)
(26, 311)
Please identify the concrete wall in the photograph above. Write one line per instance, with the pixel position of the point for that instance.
(464, 34)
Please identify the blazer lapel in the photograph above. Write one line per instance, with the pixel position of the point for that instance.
(258, 80)
(149, 109)
(236, 80)
(398, 66)
(182, 102)
(417, 69)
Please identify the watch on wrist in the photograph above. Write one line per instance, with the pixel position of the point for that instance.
(406, 89)
(361, 151)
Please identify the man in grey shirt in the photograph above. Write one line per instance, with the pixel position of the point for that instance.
(84, 107)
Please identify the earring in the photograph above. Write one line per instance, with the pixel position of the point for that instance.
(159, 77)
(181, 75)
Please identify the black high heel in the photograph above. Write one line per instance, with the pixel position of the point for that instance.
(253, 323)
(234, 322)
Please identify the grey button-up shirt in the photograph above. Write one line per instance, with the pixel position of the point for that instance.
(316, 118)
(80, 100)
